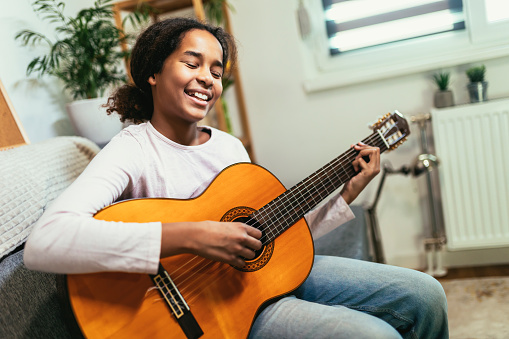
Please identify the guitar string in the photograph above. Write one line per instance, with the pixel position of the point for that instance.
(316, 174)
(200, 261)
(205, 264)
(205, 282)
(218, 274)
(184, 285)
(274, 210)
(302, 200)
(311, 179)
(286, 200)
(189, 281)
(269, 211)
(296, 195)
(330, 168)
(189, 267)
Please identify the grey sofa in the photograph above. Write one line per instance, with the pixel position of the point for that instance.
(31, 177)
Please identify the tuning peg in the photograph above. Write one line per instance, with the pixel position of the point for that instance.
(376, 124)
(379, 122)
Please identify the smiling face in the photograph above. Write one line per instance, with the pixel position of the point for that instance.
(189, 83)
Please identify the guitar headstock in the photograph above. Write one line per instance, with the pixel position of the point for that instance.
(393, 129)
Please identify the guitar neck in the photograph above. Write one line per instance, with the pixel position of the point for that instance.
(284, 211)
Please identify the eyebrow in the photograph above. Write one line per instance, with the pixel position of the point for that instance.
(200, 55)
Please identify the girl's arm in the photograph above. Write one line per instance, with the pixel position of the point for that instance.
(67, 239)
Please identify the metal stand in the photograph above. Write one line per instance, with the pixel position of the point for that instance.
(425, 163)
(376, 240)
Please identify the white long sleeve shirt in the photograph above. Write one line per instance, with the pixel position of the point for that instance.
(137, 163)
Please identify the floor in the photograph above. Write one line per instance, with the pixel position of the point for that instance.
(478, 302)
(476, 272)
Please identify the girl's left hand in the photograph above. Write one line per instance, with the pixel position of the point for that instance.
(368, 170)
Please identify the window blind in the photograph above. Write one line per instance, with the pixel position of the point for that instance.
(356, 24)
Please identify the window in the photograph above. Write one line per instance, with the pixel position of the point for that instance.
(497, 10)
(353, 41)
(364, 23)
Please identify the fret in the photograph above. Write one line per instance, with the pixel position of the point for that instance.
(285, 210)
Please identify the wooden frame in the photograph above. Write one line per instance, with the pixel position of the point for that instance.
(12, 133)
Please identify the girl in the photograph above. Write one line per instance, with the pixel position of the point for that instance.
(177, 66)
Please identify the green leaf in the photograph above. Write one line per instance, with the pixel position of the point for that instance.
(442, 80)
(476, 73)
(86, 54)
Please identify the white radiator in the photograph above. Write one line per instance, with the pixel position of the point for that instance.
(472, 144)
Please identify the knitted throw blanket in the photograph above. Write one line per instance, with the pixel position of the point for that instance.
(31, 176)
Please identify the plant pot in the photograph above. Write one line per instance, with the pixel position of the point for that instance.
(478, 91)
(90, 120)
(444, 99)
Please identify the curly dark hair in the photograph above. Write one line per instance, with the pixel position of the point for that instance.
(133, 101)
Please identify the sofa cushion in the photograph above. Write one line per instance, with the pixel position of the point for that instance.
(29, 304)
(31, 176)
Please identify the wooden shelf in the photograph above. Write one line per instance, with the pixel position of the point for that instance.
(162, 6)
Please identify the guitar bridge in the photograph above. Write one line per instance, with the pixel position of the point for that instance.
(177, 304)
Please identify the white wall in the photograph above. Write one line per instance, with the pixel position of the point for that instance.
(39, 103)
(294, 133)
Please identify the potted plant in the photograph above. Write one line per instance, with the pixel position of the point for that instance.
(87, 57)
(477, 88)
(443, 97)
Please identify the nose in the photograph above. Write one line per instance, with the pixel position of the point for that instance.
(205, 78)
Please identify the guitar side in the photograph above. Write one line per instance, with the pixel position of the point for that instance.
(224, 300)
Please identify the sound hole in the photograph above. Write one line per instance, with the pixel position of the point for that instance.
(251, 222)
(263, 255)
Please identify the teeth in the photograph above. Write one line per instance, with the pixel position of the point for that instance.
(200, 96)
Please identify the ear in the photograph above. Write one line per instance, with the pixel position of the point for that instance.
(152, 80)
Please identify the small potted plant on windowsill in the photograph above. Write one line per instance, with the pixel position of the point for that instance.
(86, 56)
(477, 88)
(444, 96)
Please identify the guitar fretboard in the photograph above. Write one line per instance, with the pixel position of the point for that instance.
(284, 211)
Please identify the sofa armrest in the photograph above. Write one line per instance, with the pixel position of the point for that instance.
(31, 176)
(349, 240)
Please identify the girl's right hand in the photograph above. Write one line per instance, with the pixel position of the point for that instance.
(228, 242)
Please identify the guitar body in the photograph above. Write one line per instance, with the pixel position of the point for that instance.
(223, 299)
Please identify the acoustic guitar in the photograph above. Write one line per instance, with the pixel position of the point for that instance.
(195, 297)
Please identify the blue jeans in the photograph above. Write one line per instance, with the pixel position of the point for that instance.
(347, 298)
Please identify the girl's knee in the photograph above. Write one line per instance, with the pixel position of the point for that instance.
(434, 291)
(432, 303)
